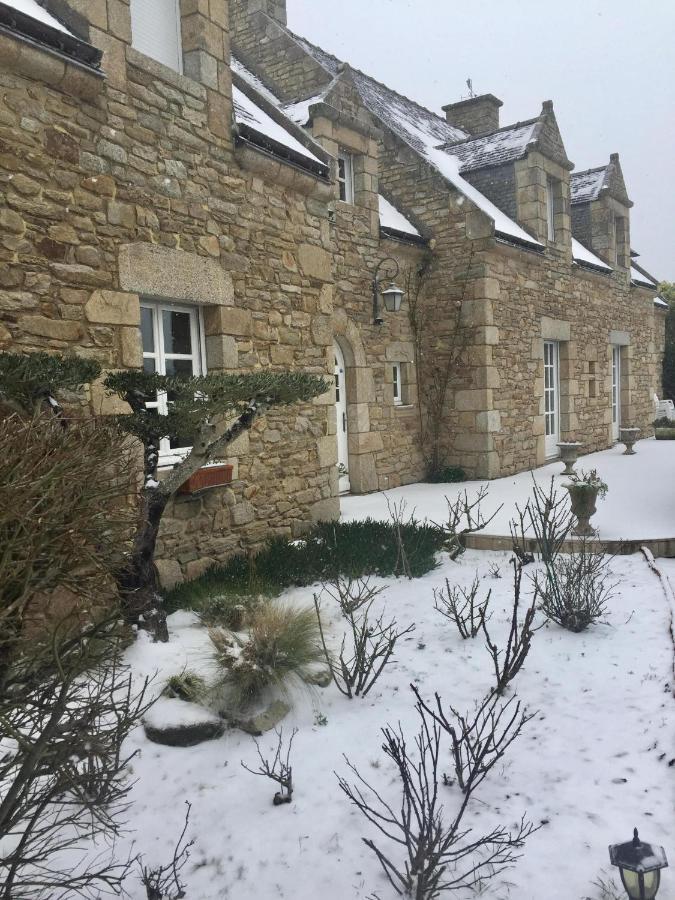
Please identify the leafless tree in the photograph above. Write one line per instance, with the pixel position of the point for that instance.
(480, 738)
(437, 854)
(163, 882)
(465, 517)
(367, 645)
(508, 661)
(459, 605)
(279, 770)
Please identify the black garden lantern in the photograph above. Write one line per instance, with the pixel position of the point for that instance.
(640, 866)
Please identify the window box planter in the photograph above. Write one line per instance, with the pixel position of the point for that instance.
(205, 478)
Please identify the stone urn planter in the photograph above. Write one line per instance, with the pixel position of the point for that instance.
(628, 436)
(569, 453)
(584, 490)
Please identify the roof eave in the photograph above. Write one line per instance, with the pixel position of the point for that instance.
(264, 144)
(403, 236)
(67, 45)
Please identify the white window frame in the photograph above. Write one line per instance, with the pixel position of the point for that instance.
(397, 383)
(346, 176)
(168, 455)
(550, 209)
(616, 391)
(552, 398)
(140, 40)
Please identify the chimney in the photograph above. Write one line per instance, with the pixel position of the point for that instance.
(477, 115)
(275, 9)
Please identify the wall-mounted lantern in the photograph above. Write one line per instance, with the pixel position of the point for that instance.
(391, 296)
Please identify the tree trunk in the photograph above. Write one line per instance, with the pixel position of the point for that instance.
(138, 581)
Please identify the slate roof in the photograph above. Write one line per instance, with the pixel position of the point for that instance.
(262, 122)
(495, 149)
(402, 115)
(586, 186)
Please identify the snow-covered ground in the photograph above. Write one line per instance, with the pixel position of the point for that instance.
(591, 765)
(640, 503)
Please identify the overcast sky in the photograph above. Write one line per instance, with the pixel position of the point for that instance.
(608, 66)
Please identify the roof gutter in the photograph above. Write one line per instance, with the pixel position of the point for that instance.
(247, 135)
(64, 44)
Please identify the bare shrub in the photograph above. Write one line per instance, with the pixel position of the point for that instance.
(438, 854)
(461, 606)
(283, 643)
(163, 882)
(551, 520)
(576, 588)
(507, 662)
(464, 517)
(399, 520)
(480, 738)
(279, 770)
(368, 643)
(65, 711)
(351, 594)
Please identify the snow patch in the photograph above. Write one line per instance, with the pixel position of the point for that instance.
(248, 113)
(35, 11)
(390, 217)
(581, 254)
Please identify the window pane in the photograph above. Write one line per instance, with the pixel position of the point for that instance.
(147, 332)
(179, 367)
(177, 334)
(149, 365)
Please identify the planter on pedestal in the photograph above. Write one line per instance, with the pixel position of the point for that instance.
(583, 498)
(628, 436)
(569, 453)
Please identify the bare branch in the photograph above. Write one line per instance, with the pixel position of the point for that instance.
(279, 770)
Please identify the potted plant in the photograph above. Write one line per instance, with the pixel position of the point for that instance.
(664, 429)
(214, 475)
(585, 488)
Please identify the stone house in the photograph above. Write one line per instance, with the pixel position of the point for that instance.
(190, 185)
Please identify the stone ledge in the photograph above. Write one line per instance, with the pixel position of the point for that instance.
(659, 547)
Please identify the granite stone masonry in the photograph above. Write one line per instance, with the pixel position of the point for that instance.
(230, 173)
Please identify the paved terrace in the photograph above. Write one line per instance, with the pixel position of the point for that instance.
(639, 509)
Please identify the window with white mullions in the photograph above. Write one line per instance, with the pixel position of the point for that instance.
(172, 345)
(396, 384)
(346, 176)
(616, 392)
(552, 397)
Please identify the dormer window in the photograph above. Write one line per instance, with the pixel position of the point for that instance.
(550, 209)
(346, 176)
(155, 31)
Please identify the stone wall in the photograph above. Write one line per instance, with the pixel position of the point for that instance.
(114, 191)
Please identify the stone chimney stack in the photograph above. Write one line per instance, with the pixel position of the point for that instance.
(275, 9)
(477, 115)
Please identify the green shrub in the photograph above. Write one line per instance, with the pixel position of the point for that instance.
(186, 686)
(446, 475)
(330, 549)
(283, 643)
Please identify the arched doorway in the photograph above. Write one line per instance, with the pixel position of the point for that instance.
(341, 415)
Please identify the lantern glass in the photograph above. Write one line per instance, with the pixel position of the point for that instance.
(650, 884)
(392, 297)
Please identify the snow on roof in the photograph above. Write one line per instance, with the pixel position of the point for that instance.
(246, 112)
(639, 277)
(35, 11)
(399, 113)
(390, 217)
(659, 301)
(422, 130)
(585, 186)
(584, 257)
(494, 149)
(298, 111)
(254, 81)
(448, 166)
